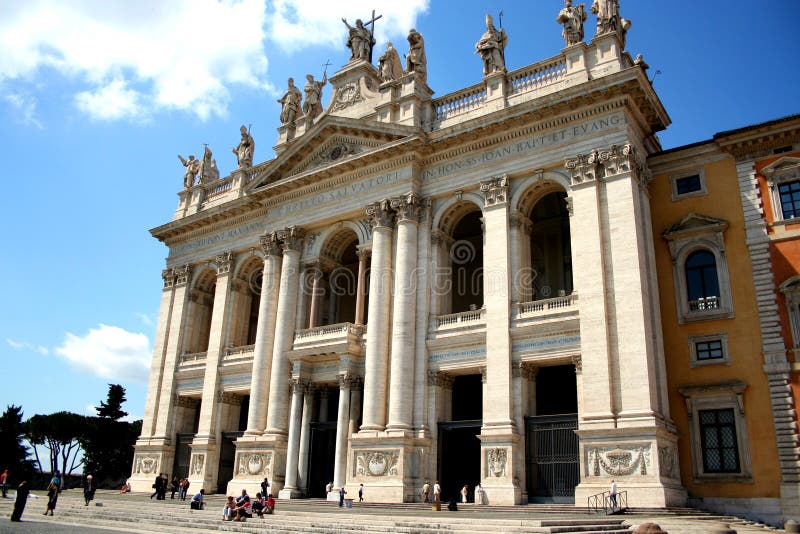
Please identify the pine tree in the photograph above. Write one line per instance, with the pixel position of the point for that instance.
(13, 452)
(112, 408)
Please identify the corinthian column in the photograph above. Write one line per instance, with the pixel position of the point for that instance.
(401, 402)
(292, 239)
(363, 254)
(293, 452)
(265, 333)
(377, 350)
(342, 424)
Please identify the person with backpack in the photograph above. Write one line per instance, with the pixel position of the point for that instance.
(197, 501)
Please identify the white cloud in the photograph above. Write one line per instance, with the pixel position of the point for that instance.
(109, 352)
(25, 107)
(134, 58)
(110, 102)
(295, 24)
(24, 345)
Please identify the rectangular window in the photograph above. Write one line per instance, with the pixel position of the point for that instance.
(688, 184)
(789, 193)
(718, 441)
(709, 350)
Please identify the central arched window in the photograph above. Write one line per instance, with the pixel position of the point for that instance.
(702, 283)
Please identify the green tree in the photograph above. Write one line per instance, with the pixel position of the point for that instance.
(61, 434)
(108, 442)
(13, 451)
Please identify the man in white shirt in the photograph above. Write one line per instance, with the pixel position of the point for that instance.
(614, 493)
(437, 492)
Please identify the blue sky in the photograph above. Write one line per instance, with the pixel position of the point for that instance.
(97, 98)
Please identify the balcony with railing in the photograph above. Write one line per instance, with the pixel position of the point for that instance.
(704, 304)
(189, 360)
(545, 311)
(241, 354)
(338, 337)
(454, 324)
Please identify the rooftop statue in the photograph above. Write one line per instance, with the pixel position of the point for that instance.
(608, 19)
(572, 18)
(192, 168)
(290, 103)
(360, 41)
(208, 168)
(416, 61)
(389, 64)
(244, 152)
(491, 48)
(312, 106)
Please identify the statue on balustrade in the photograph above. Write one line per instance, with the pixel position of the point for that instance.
(290, 103)
(192, 168)
(491, 48)
(389, 64)
(208, 168)
(312, 106)
(608, 19)
(360, 41)
(572, 18)
(244, 152)
(416, 61)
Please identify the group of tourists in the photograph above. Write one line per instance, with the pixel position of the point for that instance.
(243, 507)
(162, 484)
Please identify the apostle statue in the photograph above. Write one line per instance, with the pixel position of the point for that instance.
(416, 61)
(389, 64)
(359, 41)
(244, 152)
(491, 48)
(608, 19)
(290, 103)
(208, 167)
(192, 168)
(572, 18)
(312, 106)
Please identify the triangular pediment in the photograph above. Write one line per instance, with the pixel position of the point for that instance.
(695, 223)
(332, 142)
(784, 165)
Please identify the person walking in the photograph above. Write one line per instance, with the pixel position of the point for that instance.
(52, 496)
(163, 487)
(614, 493)
(479, 494)
(184, 488)
(22, 499)
(464, 493)
(174, 487)
(426, 492)
(89, 487)
(265, 487)
(342, 493)
(360, 492)
(437, 492)
(4, 483)
(156, 486)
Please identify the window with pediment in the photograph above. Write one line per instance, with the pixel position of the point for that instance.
(700, 269)
(783, 180)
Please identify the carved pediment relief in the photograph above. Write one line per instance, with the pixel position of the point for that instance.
(695, 223)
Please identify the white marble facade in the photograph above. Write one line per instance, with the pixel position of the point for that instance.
(375, 189)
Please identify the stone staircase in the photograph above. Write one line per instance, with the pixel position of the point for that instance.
(137, 513)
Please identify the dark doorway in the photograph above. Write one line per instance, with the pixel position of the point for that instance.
(466, 262)
(467, 398)
(459, 457)
(183, 453)
(556, 390)
(322, 456)
(227, 454)
(552, 454)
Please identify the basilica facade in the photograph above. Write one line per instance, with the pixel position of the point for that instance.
(467, 289)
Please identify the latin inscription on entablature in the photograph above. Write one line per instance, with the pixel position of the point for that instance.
(526, 145)
(315, 200)
(245, 230)
(547, 343)
(471, 353)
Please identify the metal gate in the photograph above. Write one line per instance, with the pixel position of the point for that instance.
(552, 457)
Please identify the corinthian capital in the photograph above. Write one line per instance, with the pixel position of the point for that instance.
(582, 168)
(292, 238)
(408, 207)
(618, 159)
(270, 244)
(224, 262)
(495, 190)
(182, 273)
(380, 213)
(169, 278)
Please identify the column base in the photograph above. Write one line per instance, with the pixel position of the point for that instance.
(149, 460)
(501, 467)
(203, 466)
(290, 493)
(642, 461)
(255, 460)
(389, 464)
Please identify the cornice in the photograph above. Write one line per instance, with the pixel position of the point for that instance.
(198, 224)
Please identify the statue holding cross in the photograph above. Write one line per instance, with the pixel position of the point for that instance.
(361, 40)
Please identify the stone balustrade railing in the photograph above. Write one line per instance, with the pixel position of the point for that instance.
(538, 75)
(192, 358)
(243, 351)
(218, 187)
(461, 318)
(539, 307)
(460, 102)
(333, 330)
(706, 303)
